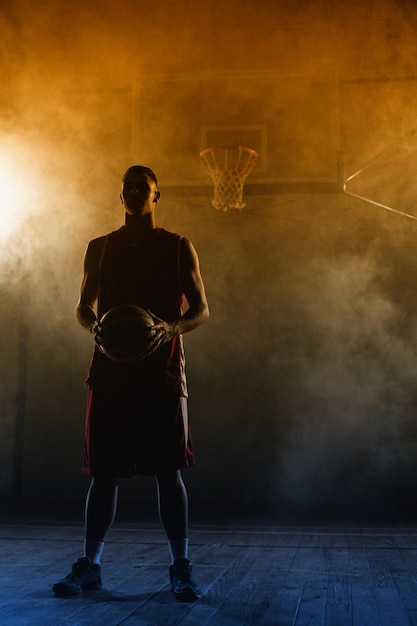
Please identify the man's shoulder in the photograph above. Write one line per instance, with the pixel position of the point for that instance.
(98, 242)
(173, 236)
(163, 232)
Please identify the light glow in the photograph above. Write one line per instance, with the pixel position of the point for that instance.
(19, 186)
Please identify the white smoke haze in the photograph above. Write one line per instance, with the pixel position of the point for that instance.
(359, 378)
(303, 382)
(19, 191)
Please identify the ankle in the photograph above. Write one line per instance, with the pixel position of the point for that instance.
(178, 548)
(93, 550)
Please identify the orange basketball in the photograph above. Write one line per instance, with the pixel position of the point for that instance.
(124, 332)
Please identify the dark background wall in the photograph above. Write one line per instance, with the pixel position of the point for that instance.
(302, 385)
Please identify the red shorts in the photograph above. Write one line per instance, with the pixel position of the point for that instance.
(130, 433)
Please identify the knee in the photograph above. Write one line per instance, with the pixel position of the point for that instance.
(169, 480)
(104, 483)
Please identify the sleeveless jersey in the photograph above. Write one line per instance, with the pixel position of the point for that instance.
(146, 274)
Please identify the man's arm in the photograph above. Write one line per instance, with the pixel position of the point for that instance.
(193, 286)
(85, 311)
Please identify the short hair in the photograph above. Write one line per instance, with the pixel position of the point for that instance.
(141, 169)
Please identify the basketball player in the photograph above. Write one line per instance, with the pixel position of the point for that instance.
(136, 420)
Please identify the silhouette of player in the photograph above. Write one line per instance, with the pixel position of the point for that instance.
(136, 417)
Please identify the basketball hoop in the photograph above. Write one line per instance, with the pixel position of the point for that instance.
(229, 167)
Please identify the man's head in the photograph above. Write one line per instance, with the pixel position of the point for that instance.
(139, 169)
(139, 189)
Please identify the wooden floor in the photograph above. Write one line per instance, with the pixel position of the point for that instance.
(264, 574)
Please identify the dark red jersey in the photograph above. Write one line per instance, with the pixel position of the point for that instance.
(148, 275)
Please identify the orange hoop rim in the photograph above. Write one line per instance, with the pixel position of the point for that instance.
(216, 148)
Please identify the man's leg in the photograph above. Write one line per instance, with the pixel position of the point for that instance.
(173, 512)
(173, 505)
(100, 511)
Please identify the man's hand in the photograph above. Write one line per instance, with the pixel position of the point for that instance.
(95, 331)
(160, 333)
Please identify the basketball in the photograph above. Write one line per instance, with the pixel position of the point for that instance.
(124, 332)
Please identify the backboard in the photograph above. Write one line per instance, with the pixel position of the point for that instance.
(290, 121)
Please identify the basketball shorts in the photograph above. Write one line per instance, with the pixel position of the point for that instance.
(133, 433)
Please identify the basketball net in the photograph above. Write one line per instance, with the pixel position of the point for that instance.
(229, 167)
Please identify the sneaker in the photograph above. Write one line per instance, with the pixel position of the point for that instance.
(84, 576)
(182, 583)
